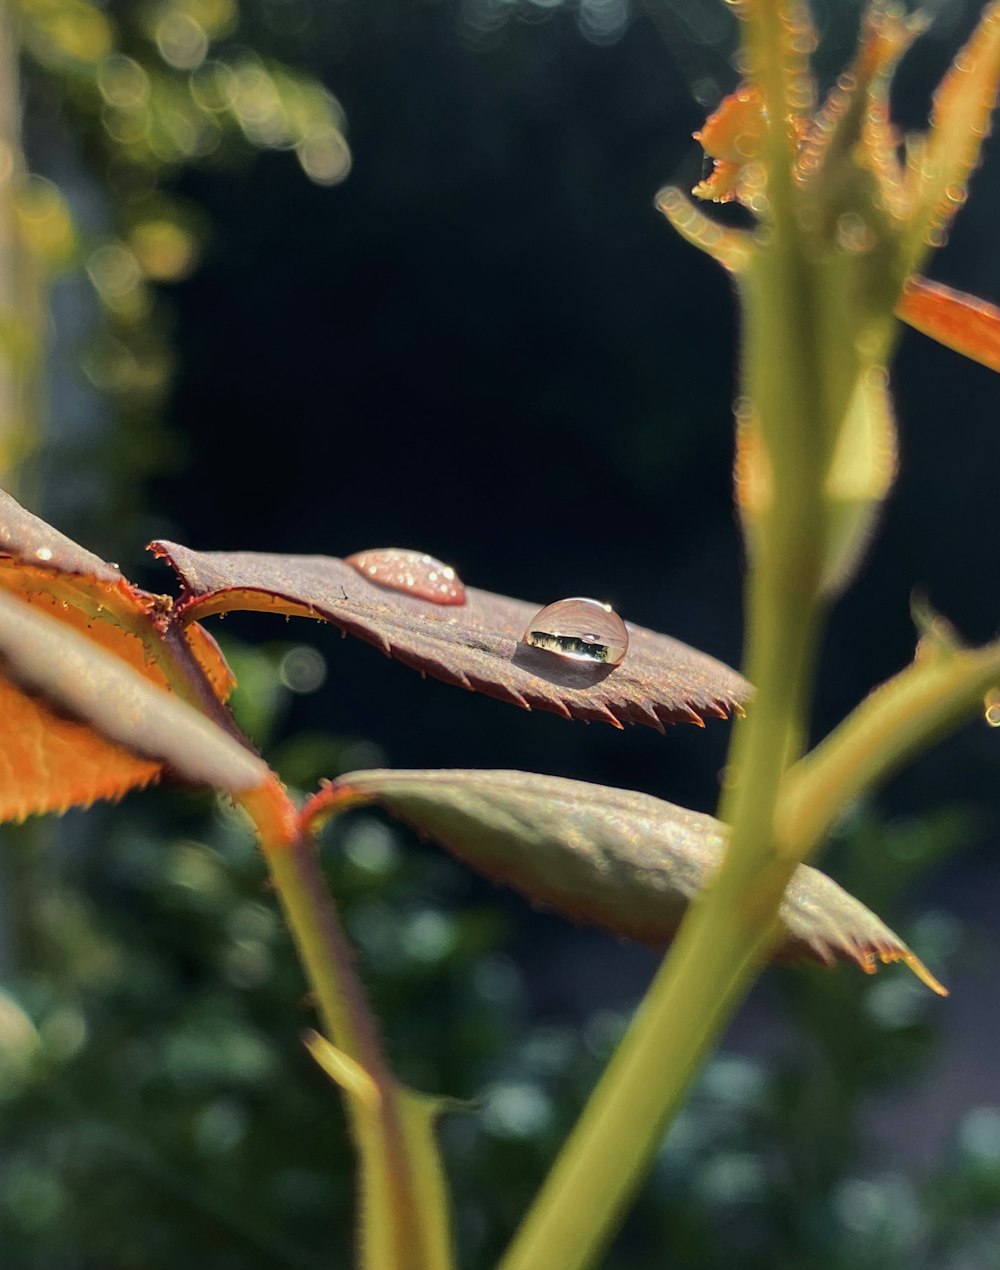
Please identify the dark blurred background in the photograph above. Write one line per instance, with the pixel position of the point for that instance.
(481, 340)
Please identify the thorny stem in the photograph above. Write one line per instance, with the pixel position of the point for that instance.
(729, 931)
(398, 1229)
(395, 1230)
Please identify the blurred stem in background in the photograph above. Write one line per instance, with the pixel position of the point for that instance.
(23, 315)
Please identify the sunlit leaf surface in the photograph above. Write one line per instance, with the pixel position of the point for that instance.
(121, 729)
(30, 542)
(620, 859)
(48, 763)
(42, 565)
(477, 645)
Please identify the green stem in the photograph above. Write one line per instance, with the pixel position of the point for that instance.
(728, 933)
(715, 955)
(398, 1230)
(897, 721)
(403, 1220)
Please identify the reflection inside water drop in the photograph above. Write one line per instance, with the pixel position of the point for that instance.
(580, 629)
(410, 571)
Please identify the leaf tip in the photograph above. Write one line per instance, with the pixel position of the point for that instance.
(343, 1070)
(909, 959)
(913, 962)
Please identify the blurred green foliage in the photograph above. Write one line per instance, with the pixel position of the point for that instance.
(156, 1102)
(122, 100)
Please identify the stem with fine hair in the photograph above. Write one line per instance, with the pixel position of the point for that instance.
(403, 1216)
(730, 930)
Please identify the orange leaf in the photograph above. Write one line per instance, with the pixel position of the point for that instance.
(121, 731)
(49, 763)
(961, 322)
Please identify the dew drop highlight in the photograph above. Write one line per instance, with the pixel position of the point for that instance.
(412, 572)
(581, 630)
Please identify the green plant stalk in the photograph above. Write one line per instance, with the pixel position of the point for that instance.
(896, 722)
(404, 1213)
(718, 949)
(402, 1226)
(790, 378)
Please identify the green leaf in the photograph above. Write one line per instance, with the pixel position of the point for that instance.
(622, 860)
(940, 167)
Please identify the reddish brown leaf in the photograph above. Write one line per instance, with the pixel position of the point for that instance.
(620, 859)
(961, 322)
(122, 729)
(37, 561)
(477, 645)
(27, 540)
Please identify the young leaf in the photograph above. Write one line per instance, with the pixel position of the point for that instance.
(961, 322)
(49, 763)
(622, 860)
(477, 645)
(418, 1115)
(940, 167)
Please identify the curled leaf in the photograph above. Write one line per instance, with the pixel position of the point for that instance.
(477, 645)
(43, 566)
(622, 860)
(27, 540)
(121, 730)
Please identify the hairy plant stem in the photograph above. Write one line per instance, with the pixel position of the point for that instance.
(403, 1216)
(727, 934)
(396, 1230)
(719, 947)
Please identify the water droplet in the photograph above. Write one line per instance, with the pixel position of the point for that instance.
(410, 571)
(991, 708)
(581, 629)
(43, 553)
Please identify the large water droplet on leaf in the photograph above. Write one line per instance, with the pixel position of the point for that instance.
(410, 571)
(581, 629)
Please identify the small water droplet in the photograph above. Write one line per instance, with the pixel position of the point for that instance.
(991, 708)
(410, 571)
(581, 629)
(43, 553)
